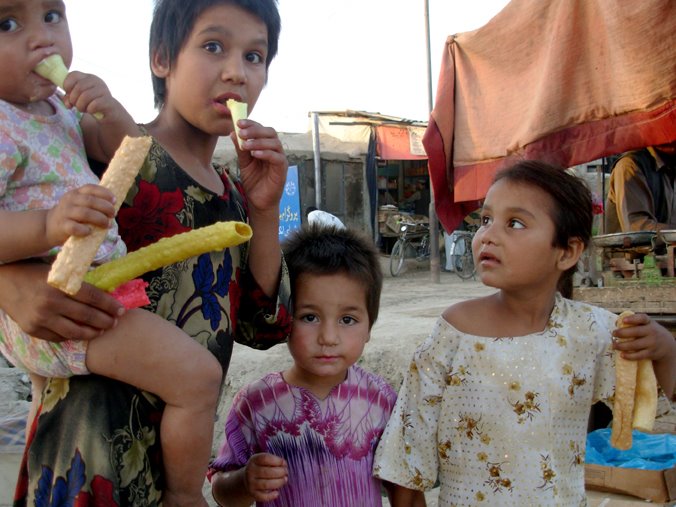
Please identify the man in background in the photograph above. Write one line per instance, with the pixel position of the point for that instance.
(641, 193)
(420, 198)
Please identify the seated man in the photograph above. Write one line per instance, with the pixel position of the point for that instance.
(420, 198)
(641, 193)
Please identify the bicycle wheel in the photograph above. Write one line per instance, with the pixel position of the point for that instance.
(397, 257)
(464, 262)
(423, 250)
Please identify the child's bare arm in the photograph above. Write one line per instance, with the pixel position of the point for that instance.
(258, 481)
(104, 132)
(400, 496)
(649, 340)
(263, 168)
(25, 234)
(50, 314)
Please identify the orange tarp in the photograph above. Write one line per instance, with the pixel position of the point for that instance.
(565, 81)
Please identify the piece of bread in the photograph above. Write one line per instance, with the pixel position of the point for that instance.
(78, 252)
(645, 399)
(635, 396)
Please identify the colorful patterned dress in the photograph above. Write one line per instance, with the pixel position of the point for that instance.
(328, 444)
(41, 158)
(97, 440)
(501, 421)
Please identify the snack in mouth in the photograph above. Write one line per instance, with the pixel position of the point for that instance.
(53, 68)
(238, 111)
(78, 252)
(635, 396)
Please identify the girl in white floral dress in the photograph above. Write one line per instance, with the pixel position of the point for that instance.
(495, 402)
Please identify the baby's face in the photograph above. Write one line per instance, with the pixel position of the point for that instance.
(30, 30)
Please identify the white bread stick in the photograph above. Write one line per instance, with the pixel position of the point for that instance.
(77, 254)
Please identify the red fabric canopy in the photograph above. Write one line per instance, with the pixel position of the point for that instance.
(564, 81)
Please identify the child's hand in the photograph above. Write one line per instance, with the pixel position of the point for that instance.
(648, 340)
(262, 165)
(77, 211)
(106, 123)
(50, 314)
(90, 94)
(264, 474)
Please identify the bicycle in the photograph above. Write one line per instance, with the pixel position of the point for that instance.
(414, 237)
(461, 254)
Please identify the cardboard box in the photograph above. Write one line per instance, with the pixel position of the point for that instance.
(653, 485)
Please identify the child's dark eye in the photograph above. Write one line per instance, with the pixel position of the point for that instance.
(485, 220)
(516, 224)
(254, 58)
(347, 320)
(53, 17)
(213, 47)
(8, 25)
(309, 318)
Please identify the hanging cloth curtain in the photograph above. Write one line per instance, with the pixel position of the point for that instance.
(563, 81)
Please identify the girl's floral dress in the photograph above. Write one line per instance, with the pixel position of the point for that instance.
(96, 441)
(501, 421)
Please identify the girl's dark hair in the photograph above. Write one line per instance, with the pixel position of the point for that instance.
(326, 250)
(572, 212)
(173, 21)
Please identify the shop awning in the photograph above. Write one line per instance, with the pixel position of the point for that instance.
(565, 81)
(400, 143)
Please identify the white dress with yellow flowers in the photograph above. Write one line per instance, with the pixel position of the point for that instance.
(501, 421)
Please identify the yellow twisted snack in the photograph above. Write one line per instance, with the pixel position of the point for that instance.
(78, 252)
(635, 396)
(167, 251)
(238, 111)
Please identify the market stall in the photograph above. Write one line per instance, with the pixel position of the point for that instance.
(633, 271)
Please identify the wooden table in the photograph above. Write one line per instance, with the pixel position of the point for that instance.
(603, 499)
(657, 301)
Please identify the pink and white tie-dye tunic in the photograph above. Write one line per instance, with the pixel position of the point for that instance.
(328, 444)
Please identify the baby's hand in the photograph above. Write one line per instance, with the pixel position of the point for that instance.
(263, 166)
(77, 211)
(645, 339)
(264, 475)
(90, 94)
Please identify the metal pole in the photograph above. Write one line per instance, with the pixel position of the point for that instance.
(318, 160)
(435, 265)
